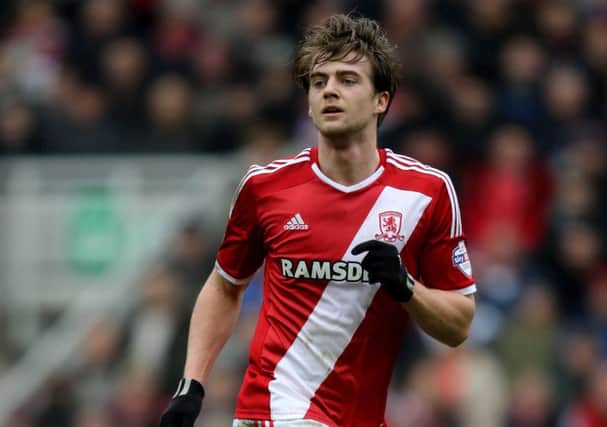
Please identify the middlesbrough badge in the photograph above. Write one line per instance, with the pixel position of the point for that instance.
(390, 223)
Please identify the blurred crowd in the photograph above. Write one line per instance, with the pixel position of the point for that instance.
(508, 96)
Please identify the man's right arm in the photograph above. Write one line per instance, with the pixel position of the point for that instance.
(213, 319)
(218, 304)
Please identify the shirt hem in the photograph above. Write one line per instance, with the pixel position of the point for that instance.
(233, 280)
(264, 416)
(471, 289)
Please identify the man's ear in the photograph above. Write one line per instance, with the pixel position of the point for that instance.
(383, 99)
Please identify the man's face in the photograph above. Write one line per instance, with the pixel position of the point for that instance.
(342, 99)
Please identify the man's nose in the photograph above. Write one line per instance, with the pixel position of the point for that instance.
(330, 89)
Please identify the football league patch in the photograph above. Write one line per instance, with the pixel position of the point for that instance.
(461, 259)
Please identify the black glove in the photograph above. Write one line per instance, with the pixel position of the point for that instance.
(384, 266)
(185, 406)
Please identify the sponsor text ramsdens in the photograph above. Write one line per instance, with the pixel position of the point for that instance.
(337, 271)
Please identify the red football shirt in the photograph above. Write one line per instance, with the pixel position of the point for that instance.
(326, 340)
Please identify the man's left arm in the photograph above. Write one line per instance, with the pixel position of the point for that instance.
(443, 305)
(444, 315)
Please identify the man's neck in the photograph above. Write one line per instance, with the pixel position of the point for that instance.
(349, 163)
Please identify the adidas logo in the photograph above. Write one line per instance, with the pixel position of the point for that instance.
(296, 223)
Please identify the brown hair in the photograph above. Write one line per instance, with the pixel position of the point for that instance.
(341, 35)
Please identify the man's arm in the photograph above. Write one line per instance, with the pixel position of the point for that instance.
(213, 319)
(444, 315)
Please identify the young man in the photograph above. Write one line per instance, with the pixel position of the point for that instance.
(357, 241)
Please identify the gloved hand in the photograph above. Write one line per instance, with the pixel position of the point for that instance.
(384, 266)
(185, 406)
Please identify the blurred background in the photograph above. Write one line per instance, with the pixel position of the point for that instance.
(125, 126)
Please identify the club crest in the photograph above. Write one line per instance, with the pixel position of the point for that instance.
(390, 223)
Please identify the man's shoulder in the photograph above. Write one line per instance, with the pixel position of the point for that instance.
(413, 172)
(282, 172)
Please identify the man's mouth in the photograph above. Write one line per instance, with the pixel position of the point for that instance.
(331, 109)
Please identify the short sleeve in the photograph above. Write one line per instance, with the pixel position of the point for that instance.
(445, 263)
(242, 251)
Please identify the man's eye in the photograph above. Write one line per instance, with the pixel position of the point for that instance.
(317, 83)
(349, 81)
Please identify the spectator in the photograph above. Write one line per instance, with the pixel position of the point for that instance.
(98, 22)
(154, 324)
(566, 95)
(557, 21)
(590, 409)
(96, 371)
(528, 341)
(532, 402)
(124, 71)
(430, 147)
(472, 107)
(511, 191)
(81, 125)
(18, 129)
(170, 114)
(519, 95)
(33, 49)
(578, 357)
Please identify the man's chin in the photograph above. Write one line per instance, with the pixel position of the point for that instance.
(334, 131)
